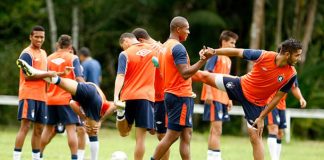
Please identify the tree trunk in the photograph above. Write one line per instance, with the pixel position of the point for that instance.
(308, 28)
(52, 23)
(279, 22)
(256, 27)
(75, 26)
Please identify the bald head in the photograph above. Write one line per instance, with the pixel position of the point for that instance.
(178, 22)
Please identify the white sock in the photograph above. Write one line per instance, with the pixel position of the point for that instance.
(214, 155)
(36, 156)
(52, 80)
(278, 148)
(94, 148)
(16, 155)
(80, 154)
(272, 144)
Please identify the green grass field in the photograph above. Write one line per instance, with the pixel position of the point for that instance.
(233, 148)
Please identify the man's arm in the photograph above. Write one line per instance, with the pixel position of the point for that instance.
(179, 54)
(298, 95)
(231, 52)
(259, 122)
(188, 71)
(120, 78)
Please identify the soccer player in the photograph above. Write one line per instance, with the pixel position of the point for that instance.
(32, 94)
(91, 67)
(92, 73)
(276, 122)
(159, 108)
(216, 101)
(88, 100)
(58, 109)
(177, 73)
(272, 73)
(135, 85)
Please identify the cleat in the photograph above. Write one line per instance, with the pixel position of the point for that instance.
(25, 67)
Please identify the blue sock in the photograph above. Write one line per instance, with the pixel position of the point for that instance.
(93, 138)
(74, 157)
(35, 150)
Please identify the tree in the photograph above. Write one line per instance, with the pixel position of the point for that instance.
(257, 26)
(52, 23)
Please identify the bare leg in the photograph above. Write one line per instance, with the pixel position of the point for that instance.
(167, 154)
(47, 135)
(184, 146)
(140, 143)
(257, 145)
(169, 138)
(23, 130)
(215, 135)
(123, 127)
(68, 85)
(72, 138)
(36, 136)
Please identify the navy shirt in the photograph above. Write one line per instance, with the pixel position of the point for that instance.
(91, 71)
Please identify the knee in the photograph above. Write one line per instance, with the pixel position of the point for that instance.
(280, 134)
(24, 128)
(123, 134)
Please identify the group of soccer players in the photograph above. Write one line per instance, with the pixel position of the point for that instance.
(153, 89)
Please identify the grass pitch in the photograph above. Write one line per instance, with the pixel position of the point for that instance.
(233, 148)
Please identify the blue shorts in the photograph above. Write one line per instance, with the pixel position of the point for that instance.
(140, 111)
(89, 99)
(272, 118)
(215, 112)
(61, 114)
(160, 117)
(234, 92)
(32, 110)
(282, 118)
(180, 111)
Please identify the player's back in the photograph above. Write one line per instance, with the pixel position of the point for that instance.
(58, 61)
(265, 78)
(140, 73)
(173, 81)
(33, 89)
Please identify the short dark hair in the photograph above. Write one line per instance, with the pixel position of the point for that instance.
(125, 35)
(226, 35)
(37, 28)
(141, 33)
(177, 22)
(64, 41)
(74, 50)
(84, 51)
(290, 45)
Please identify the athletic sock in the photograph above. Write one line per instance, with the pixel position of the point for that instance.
(16, 154)
(214, 155)
(80, 154)
(272, 145)
(120, 114)
(278, 148)
(74, 157)
(35, 154)
(94, 147)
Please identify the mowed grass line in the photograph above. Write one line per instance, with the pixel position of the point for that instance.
(233, 148)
